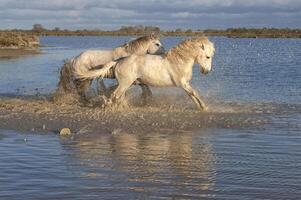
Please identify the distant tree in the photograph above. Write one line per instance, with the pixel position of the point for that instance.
(139, 28)
(157, 29)
(38, 28)
(56, 29)
(189, 31)
(178, 30)
(151, 29)
(127, 29)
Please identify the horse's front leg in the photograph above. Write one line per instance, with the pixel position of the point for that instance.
(194, 96)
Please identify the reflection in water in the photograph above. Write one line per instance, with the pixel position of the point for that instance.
(176, 161)
(215, 163)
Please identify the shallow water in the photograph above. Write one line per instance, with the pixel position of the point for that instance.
(249, 150)
(217, 164)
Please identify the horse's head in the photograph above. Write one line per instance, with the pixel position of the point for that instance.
(155, 46)
(205, 54)
(150, 44)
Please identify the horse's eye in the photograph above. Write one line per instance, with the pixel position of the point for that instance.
(157, 44)
(207, 57)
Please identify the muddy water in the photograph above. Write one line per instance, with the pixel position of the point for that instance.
(247, 146)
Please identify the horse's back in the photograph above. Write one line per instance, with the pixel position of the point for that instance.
(149, 69)
(91, 58)
(94, 54)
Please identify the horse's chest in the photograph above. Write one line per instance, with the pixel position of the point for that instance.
(179, 74)
(188, 75)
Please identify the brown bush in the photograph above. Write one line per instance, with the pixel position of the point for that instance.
(18, 40)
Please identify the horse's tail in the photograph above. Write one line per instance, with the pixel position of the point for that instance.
(65, 84)
(104, 71)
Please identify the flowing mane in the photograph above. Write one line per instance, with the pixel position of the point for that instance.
(187, 48)
(139, 43)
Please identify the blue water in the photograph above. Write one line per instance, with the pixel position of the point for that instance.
(254, 162)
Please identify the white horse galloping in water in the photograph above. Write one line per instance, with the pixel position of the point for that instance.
(89, 62)
(174, 68)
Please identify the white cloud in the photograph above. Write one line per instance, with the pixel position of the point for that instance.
(164, 13)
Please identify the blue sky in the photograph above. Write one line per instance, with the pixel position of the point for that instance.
(167, 14)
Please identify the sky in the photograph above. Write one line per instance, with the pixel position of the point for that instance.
(166, 14)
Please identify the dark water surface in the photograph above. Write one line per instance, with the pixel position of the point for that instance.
(260, 161)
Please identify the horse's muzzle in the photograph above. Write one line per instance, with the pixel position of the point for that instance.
(161, 50)
(203, 71)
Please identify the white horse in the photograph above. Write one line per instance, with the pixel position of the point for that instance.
(91, 60)
(174, 68)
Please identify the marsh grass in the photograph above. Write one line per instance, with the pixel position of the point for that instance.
(17, 40)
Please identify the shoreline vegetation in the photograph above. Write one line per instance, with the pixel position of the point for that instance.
(18, 42)
(39, 30)
(14, 44)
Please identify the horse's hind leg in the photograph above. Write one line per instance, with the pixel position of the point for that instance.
(123, 85)
(102, 90)
(146, 93)
(194, 96)
(119, 93)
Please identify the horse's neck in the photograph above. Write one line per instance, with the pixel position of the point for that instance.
(141, 51)
(181, 68)
(177, 60)
(119, 52)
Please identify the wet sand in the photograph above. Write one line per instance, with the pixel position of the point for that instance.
(12, 53)
(42, 114)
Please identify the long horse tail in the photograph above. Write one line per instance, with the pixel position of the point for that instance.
(66, 84)
(105, 71)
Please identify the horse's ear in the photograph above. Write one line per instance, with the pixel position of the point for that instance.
(202, 46)
(152, 35)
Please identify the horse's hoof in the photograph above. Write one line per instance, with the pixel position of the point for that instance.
(205, 108)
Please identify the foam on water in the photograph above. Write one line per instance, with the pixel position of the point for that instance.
(164, 111)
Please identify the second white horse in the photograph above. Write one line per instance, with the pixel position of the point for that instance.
(90, 61)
